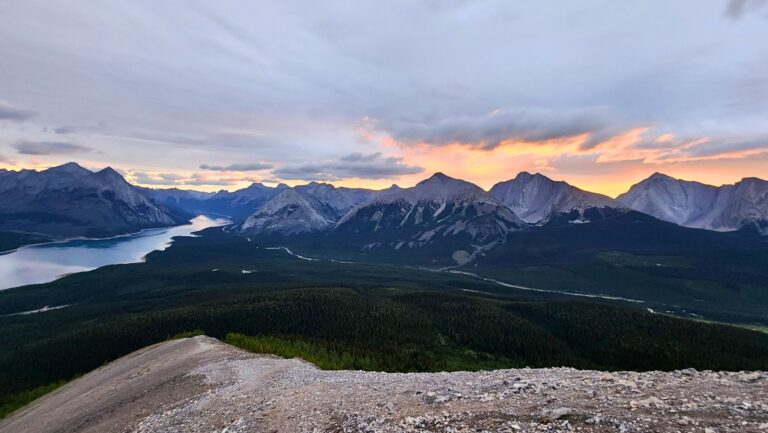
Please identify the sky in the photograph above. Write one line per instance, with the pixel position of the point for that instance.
(216, 95)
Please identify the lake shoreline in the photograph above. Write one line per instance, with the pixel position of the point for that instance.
(48, 261)
(84, 238)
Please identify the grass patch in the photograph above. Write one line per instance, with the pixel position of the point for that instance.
(309, 351)
(22, 399)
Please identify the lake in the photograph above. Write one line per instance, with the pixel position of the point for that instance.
(43, 263)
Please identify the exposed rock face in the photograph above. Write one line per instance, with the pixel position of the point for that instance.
(436, 207)
(241, 204)
(70, 200)
(202, 385)
(693, 204)
(340, 199)
(535, 197)
(528, 198)
(291, 212)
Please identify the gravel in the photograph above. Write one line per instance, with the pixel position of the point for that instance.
(202, 385)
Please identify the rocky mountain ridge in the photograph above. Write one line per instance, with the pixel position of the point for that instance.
(291, 212)
(535, 197)
(437, 208)
(200, 384)
(523, 200)
(70, 200)
(697, 205)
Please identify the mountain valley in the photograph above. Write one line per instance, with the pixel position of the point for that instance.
(441, 276)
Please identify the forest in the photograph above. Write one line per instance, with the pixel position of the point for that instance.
(343, 315)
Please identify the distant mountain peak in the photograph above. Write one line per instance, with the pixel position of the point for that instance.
(290, 212)
(753, 179)
(100, 203)
(109, 171)
(526, 175)
(440, 177)
(69, 167)
(697, 205)
(535, 197)
(256, 185)
(437, 188)
(436, 210)
(659, 175)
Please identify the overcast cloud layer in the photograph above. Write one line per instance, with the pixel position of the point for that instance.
(224, 93)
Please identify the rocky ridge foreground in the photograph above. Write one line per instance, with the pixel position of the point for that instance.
(202, 385)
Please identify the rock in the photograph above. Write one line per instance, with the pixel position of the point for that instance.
(556, 414)
(210, 386)
(627, 383)
(650, 402)
(751, 377)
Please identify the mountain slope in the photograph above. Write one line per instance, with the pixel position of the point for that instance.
(442, 203)
(693, 204)
(451, 215)
(201, 384)
(534, 197)
(188, 200)
(71, 201)
(241, 204)
(291, 212)
(340, 199)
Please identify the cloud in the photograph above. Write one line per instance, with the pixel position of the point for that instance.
(49, 148)
(352, 166)
(377, 60)
(587, 165)
(737, 8)
(193, 179)
(645, 146)
(64, 130)
(491, 130)
(9, 112)
(157, 178)
(361, 157)
(728, 147)
(238, 167)
(198, 179)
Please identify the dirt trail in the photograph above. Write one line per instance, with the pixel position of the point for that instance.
(201, 385)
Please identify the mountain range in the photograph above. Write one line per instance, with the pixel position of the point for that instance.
(535, 197)
(693, 204)
(434, 209)
(70, 200)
